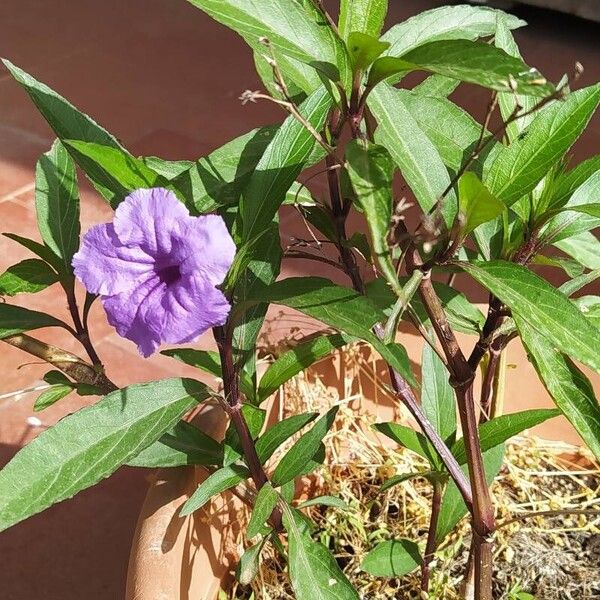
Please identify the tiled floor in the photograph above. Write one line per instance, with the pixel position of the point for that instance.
(165, 79)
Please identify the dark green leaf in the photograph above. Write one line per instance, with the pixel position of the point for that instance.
(393, 558)
(247, 567)
(412, 151)
(57, 204)
(88, 445)
(502, 428)
(28, 276)
(568, 386)
(475, 203)
(453, 507)
(303, 449)
(57, 377)
(38, 249)
(518, 168)
(297, 359)
(169, 169)
(314, 573)
(437, 395)
(281, 432)
(543, 307)
(409, 438)
(255, 419)
(265, 502)
(16, 319)
(216, 483)
(51, 395)
(568, 182)
(397, 479)
(184, 444)
(324, 501)
(365, 16)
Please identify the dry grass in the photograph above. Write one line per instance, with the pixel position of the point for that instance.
(555, 558)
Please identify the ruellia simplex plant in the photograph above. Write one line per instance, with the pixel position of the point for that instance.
(195, 246)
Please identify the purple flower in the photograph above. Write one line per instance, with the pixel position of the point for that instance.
(157, 268)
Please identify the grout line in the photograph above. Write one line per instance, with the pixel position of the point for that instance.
(23, 189)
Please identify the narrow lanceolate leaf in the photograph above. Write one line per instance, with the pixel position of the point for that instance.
(446, 23)
(169, 169)
(314, 573)
(52, 395)
(371, 170)
(393, 558)
(218, 179)
(574, 285)
(65, 119)
(410, 439)
(502, 428)
(365, 16)
(453, 507)
(580, 213)
(89, 445)
(590, 307)
(280, 432)
(247, 568)
(184, 444)
(412, 151)
(216, 483)
(28, 276)
(57, 204)
(114, 168)
(569, 387)
(437, 395)
(465, 60)
(38, 249)
(294, 461)
(332, 501)
(566, 183)
(436, 86)
(541, 306)
(16, 319)
(475, 203)
(363, 50)
(518, 168)
(583, 247)
(297, 359)
(290, 27)
(265, 502)
(280, 164)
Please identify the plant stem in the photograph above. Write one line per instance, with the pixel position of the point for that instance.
(430, 548)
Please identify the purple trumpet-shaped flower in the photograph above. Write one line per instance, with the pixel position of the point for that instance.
(157, 268)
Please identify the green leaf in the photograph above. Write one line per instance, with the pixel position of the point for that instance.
(87, 446)
(569, 387)
(583, 247)
(566, 183)
(184, 444)
(518, 168)
(297, 359)
(247, 567)
(569, 221)
(290, 27)
(57, 204)
(300, 79)
(465, 60)
(452, 130)
(364, 49)
(453, 507)
(393, 558)
(502, 428)
(365, 16)
(29, 276)
(475, 203)
(51, 395)
(255, 419)
(38, 249)
(280, 432)
(114, 169)
(266, 501)
(590, 307)
(303, 450)
(280, 164)
(437, 395)
(337, 307)
(169, 169)
(67, 121)
(217, 180)
(543, 307)
(412, 151)
(436, 86)
(16, 319)
(324, 501)
(570, 287)
(371, 170)
(571, 267)
(410, 439)
(446, 23)
(397, 479)
(314, 573)
(220, 481)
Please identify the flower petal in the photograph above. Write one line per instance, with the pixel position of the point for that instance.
(206, 248)
(150, 218)
(191, 307)
(105, 266)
